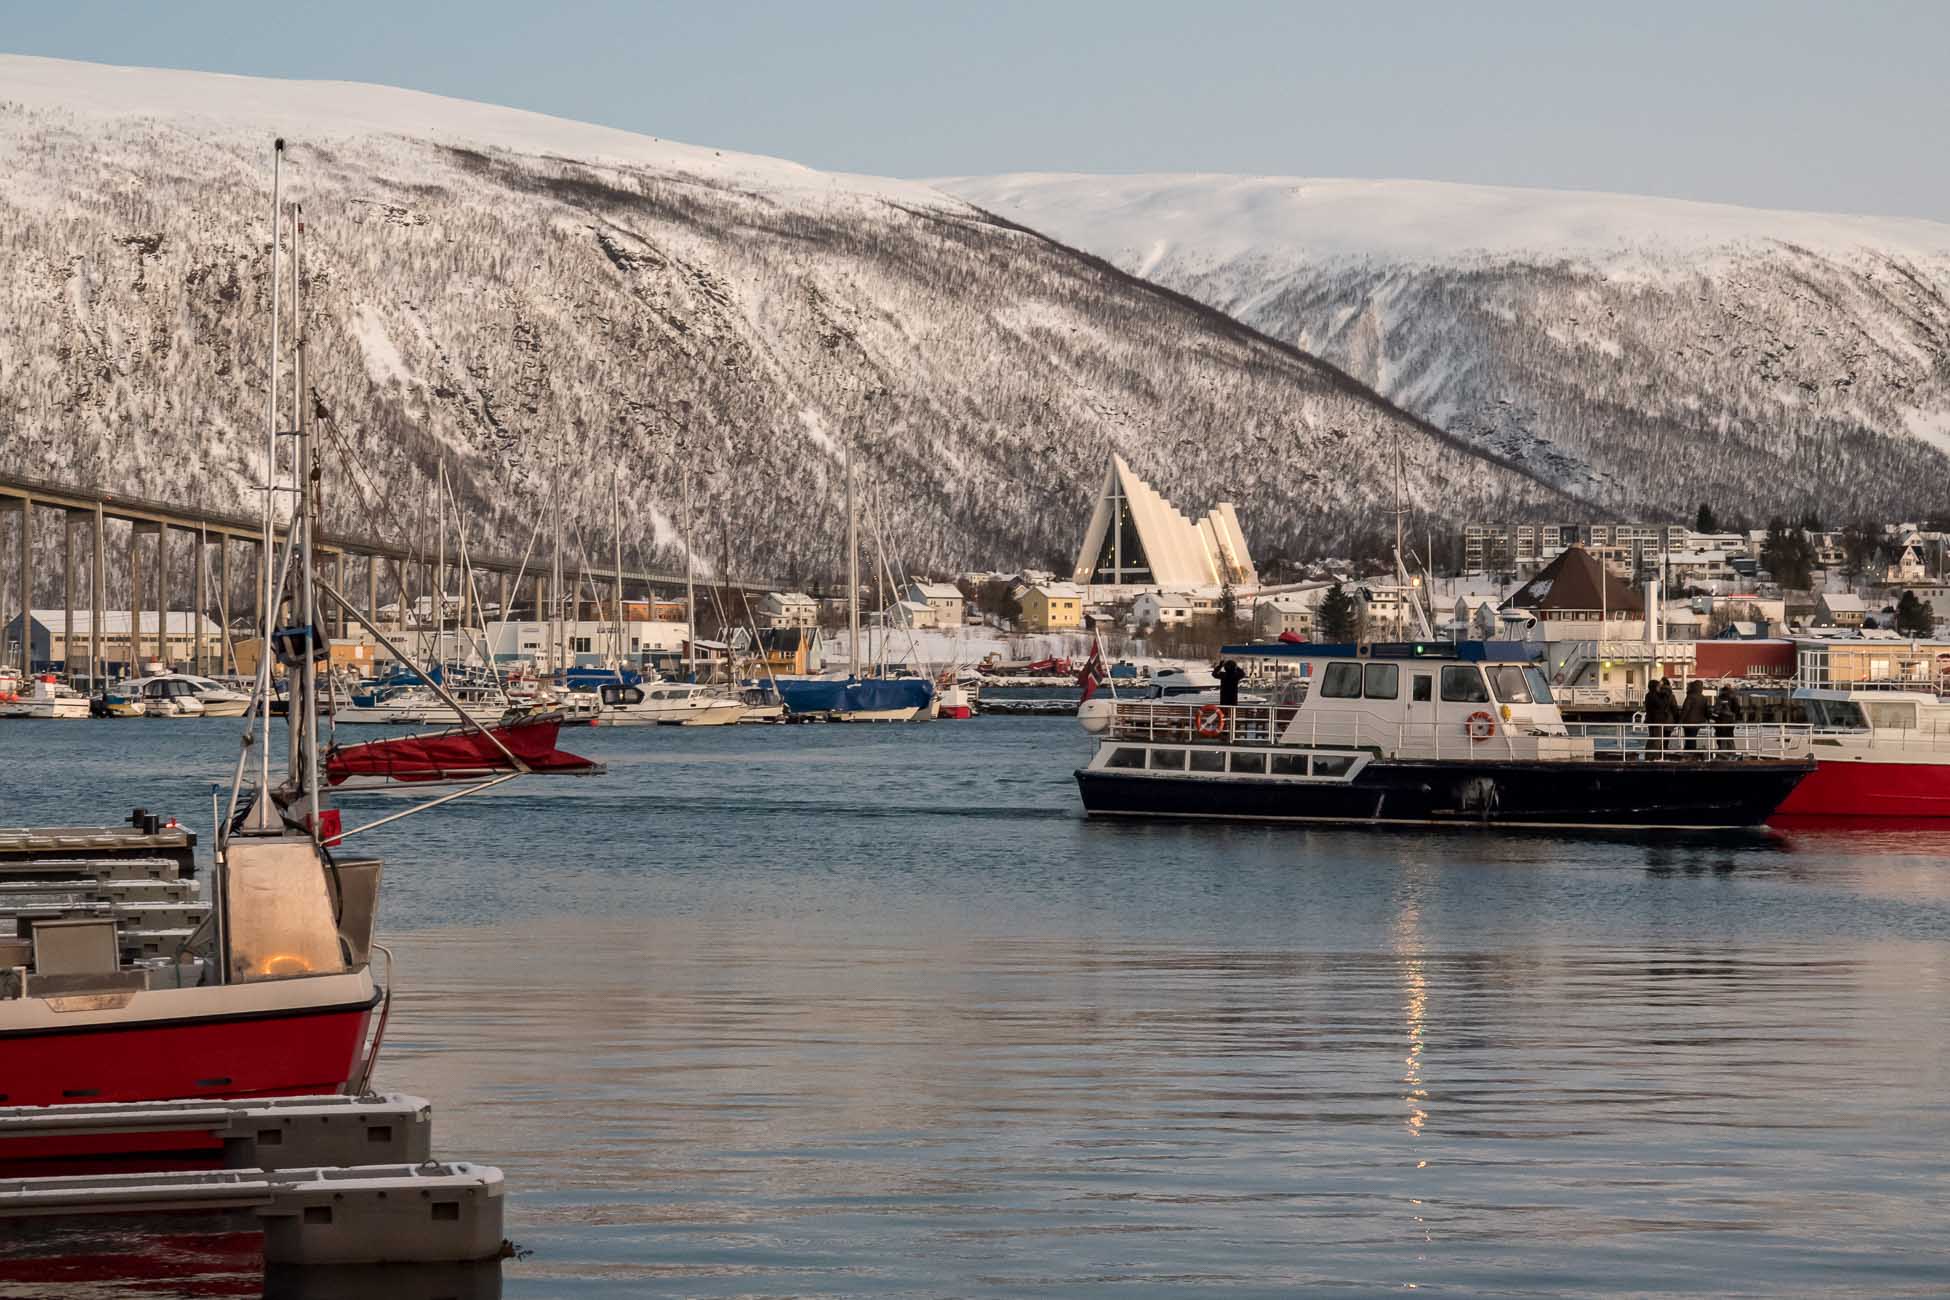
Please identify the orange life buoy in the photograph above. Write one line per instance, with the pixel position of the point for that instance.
(1210, 721)
(1481, 726)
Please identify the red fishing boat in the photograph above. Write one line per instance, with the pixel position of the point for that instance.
(269, 989)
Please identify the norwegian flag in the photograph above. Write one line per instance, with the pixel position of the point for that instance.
(1094, 673)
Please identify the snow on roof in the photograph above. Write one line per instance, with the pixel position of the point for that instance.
(116, 622)
(1844, 603)
(937, 590)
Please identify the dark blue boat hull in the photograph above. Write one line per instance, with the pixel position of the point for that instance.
(1695, 796)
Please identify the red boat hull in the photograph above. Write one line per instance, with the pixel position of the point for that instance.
(1858, 788)
(287, 1052)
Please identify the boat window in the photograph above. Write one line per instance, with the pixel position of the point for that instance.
(1462, 684)
(1289, 764)
(1341, 682)
(1168, 760)
(1254, 763)
(1126, 758)
(1332, 764)
(1208, 760)
(1895, 717)
(1540, 686)
(1424, 690)
(1837, 715)
(1511, 686)
(1382, 681)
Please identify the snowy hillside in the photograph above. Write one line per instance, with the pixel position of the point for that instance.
(1649, 352)
(507, 291)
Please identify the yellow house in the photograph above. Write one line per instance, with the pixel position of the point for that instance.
(1052, 607)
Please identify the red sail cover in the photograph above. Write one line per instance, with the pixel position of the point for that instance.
(460, 754)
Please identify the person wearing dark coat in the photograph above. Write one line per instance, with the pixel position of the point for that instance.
(1658, 715)
(1693, 714)
(1726, 712)
(1229, 675)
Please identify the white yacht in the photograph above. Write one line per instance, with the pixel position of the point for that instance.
(218, 700)
(670, 704)
(168, 696)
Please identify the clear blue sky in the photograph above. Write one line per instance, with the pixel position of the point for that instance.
(1779, 103)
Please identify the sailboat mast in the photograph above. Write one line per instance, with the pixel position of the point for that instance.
(555, 631)
(306, 720)
(616, 537)
(852, 574)
(690, 583)
(267, 553)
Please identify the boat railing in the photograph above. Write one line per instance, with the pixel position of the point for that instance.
(1164, 722)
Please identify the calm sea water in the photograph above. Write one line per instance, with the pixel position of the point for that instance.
(874, 1011)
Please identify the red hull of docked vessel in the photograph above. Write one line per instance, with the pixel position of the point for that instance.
(297, 1052)
(1865, 789)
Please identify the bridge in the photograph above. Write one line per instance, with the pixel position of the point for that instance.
(88, 512)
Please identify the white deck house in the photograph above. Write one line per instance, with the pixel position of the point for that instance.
(1138, 541)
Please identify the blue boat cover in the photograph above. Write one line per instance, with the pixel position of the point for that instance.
(848, 695)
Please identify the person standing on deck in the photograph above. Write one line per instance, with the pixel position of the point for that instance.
(1229, 674)
(1693, 714)
(1726, 712)
(1658, 715)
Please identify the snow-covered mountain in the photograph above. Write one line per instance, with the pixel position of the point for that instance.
(509, 293)
(1647, 353)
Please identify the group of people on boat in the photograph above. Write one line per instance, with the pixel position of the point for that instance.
(1684, 722)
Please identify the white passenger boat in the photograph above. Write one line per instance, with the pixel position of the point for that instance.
(1426, 734)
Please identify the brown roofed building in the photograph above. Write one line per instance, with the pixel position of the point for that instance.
(1569, 588)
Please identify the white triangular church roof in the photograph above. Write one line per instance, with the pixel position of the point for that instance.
(1176, 551)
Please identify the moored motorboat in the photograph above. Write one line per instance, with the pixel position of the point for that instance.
(47, 699)
(1879, 752)
(660, 703)
(1464, 734)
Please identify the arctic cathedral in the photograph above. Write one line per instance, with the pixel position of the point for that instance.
(1137, 539)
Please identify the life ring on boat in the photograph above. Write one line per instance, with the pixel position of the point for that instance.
(1209, 721)
(1481, 726)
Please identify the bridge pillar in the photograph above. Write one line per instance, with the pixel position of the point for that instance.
(227, 652)
(133, 649)
(162, 602)
(67, 595)
(26, 583)
(97, 594)
(501, 595)
(372, 587)
(200, 604)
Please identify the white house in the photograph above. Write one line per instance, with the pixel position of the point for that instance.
(1287, 611)
(943, 599)
(1162, 609)
(788, 609)
(1840, 609)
